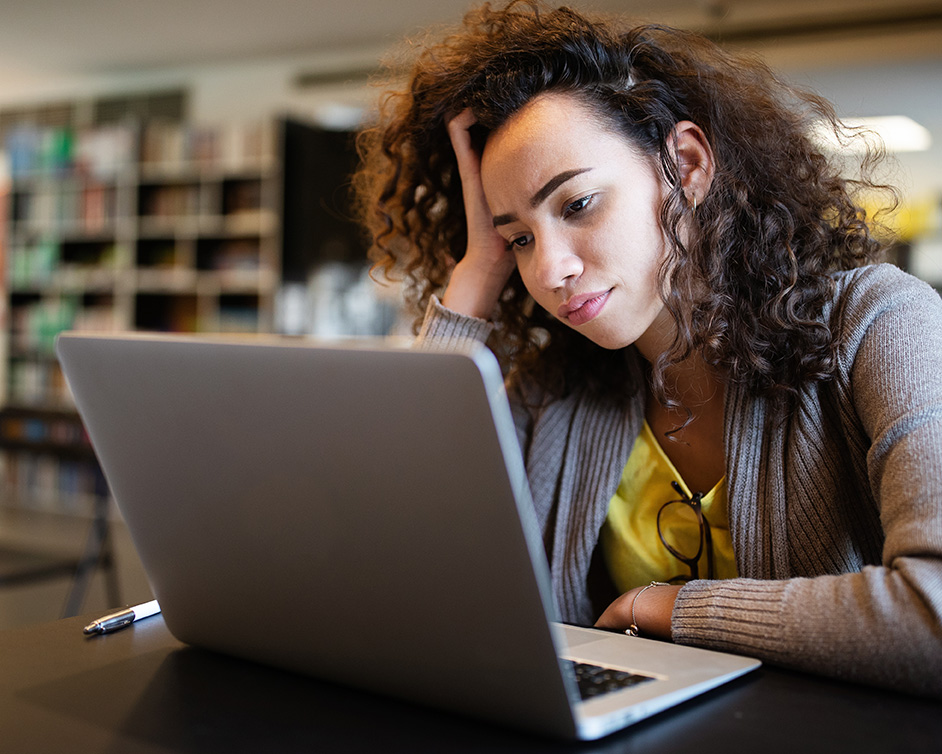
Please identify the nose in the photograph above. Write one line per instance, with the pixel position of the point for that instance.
(554, 264)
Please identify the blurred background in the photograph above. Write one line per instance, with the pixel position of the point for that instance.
(182, 166)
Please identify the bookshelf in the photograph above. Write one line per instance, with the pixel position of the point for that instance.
(161, 227)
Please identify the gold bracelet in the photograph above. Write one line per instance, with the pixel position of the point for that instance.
(633, 629)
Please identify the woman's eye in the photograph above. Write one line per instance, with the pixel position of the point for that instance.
(519, 242)
(577, 206)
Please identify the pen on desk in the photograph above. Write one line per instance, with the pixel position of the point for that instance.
(113, 621)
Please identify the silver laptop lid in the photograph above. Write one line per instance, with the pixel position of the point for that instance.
(358, 513)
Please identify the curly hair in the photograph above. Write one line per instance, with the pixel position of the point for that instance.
(748, 288)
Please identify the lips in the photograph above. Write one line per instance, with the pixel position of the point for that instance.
(580, 309)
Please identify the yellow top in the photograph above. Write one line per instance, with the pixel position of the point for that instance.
(632, 549)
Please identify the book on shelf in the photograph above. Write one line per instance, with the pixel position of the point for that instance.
(41, 481)
(174, 147)
(99, 153)
(67, 206)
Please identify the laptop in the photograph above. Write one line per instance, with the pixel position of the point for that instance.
(358, 512)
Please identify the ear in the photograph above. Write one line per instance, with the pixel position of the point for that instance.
(694, 159)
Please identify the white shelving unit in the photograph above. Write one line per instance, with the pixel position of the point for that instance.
(160, 228)
(164, 228)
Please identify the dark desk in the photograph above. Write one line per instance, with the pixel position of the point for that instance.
(139, 690)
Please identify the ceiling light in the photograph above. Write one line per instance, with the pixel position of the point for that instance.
(898, 133)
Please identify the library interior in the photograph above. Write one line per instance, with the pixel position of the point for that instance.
(184, 168)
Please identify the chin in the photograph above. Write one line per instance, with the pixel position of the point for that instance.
(608, 340)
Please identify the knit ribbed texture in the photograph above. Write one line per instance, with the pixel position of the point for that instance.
(835, 514)
(443, 326)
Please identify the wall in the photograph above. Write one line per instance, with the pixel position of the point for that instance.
(238, 90)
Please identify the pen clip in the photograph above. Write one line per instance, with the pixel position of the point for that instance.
(109, 623)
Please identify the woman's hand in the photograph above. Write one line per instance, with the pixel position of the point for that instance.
(652, 611)
(480, 277)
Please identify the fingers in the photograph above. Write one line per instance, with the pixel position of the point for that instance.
(469, 162)
(469, 169)
(478, 280)
(462, 121)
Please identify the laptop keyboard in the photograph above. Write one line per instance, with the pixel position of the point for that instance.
(595, 680)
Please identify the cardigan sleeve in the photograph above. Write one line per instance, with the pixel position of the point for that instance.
(880, 623)
(446, 326)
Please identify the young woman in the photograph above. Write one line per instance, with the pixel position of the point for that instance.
(731, 419)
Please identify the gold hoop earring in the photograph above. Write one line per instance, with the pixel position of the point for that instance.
(695, 205)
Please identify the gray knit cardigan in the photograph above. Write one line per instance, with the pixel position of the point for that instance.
(835, 515)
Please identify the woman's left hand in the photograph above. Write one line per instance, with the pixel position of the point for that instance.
(652, 611)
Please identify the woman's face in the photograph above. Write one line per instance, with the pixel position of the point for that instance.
(579, 207)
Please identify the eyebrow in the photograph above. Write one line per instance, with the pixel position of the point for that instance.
(540, 196)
